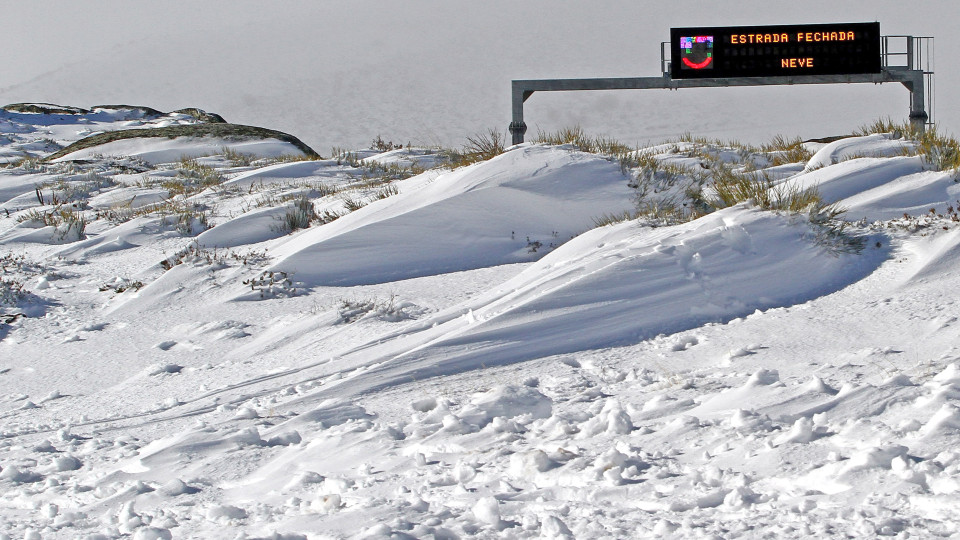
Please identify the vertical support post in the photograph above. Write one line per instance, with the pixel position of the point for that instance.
(918, 110)
(517, 97)
(517, 129)
(663, 59)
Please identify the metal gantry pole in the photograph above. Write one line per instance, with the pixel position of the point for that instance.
(517, 127)
(910, 76)
(918, 110)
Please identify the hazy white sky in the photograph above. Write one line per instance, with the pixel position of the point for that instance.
(431, 71)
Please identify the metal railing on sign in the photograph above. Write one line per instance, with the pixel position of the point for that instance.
(900, 52)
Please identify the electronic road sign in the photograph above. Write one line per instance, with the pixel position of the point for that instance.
(774, 51)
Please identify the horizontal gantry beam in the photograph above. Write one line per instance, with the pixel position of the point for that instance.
(523, 89)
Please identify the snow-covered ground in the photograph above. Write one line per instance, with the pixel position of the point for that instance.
(458, 353)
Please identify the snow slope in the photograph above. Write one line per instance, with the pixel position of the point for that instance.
(619, 285)
(40, 134)
(414, 368)
(159, 150)
(498, 212)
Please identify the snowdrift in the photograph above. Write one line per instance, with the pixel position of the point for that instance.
(283, 172)
(154, 150)
(66, 125)
(623, 284)
(875, 145)
(467, 356)
(510, 209)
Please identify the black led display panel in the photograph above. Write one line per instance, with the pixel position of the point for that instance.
(774, 51)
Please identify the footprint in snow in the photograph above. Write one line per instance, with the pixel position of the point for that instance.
(51, 396)
(572, 362)
(160, 369)
(170, 344)
(92, 327)
(738, 239)
(684, 343)
(178, 487)
(222, 330)
(941, 323)
(739, 352)
(165, 345)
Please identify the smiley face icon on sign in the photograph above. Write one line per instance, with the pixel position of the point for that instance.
(696, 52)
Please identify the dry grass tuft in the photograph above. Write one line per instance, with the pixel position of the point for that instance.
(941, 152)
(479, 147)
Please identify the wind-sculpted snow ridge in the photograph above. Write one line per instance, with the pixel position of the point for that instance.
(871, 179)
(510, 209)
(875, 145)
(158, 148)
(27, 125)
(169, 143)
(619, 285)
(461, 354)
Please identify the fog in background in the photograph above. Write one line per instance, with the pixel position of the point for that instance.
(337, 73)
